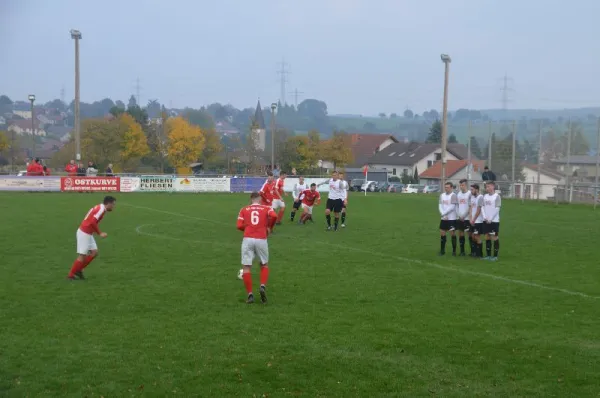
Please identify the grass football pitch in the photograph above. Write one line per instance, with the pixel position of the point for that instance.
(369, 311)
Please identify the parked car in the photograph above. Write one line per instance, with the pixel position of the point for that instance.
(431, 188)
(371, 186)
(356, 184)
(413, 188)
(22, 173)
(396, 187)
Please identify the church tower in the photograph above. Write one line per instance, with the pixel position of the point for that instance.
(259, 130)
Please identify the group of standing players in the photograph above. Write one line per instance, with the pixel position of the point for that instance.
(267, 209)
(473, 215)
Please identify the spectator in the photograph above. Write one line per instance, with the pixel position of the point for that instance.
(81, 170)
(276, 171)
(35, 168)
(71, 169)
(46, 171)
(294, 171)
(488, 175)
(109, 170)
(92, 170)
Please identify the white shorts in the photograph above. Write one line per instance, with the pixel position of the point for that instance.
(252, 247)
(307, 208)
(278, 204)
(85, 242)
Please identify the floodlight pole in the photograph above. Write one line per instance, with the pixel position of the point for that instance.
(446, 60)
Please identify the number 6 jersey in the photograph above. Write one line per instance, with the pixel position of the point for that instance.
(255, 219)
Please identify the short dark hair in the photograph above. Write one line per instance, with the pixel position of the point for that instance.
(463, 180)
(476, 186)
(109, 199)
(449, 183)
(313, 185)
(486, 168)
(490, 183)
(282, 173)
(254, 195)
(270, 173)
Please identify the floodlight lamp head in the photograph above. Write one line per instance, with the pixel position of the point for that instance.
(445, 58)
(31, 97)
(273, 106)
(75, 34)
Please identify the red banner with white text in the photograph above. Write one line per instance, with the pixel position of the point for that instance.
(89, 184)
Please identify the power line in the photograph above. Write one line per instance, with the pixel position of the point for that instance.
(296, 95)
(505, 94)
(62, 94)
(138, 88)
(283, 72)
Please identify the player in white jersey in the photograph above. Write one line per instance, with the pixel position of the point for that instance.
(299, 187)
(346, 187)
(491, 220)
(476, 220)
(335, 200)
(462, 223)
(447, 207)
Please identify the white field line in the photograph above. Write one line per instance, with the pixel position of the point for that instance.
(405, 259)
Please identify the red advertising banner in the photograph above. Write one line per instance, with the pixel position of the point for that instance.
(89, 184)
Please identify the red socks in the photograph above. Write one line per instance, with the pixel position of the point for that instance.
(264, 274)
(77, 265)
(87, 261)
(248, 282)
(280, 215)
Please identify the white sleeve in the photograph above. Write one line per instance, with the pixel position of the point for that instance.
(440, 207)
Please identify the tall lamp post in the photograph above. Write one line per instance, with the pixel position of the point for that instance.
(76, 35)
(446, 60)
(32, 100)
(273, 107)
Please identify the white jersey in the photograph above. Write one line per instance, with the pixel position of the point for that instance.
(298, 189)
(336, 189)
(491, 207)
(476, 202)
(464, 204)
(345, 190)
(447, 205)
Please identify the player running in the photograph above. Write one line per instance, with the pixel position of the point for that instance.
(464, 205)
(87, 250)
(447, 207)
(299, 187)
(345, 199)
(491, 220)
(278, 194)
(309, 198)
(335, 200)
(255, 221)
(476, 220)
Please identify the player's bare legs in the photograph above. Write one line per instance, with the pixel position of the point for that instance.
(247, 278)
(82, 261)
(264, 278)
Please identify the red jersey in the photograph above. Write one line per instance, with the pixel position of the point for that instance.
(35, 169)
(71, 169)
(254, 220)
(91, 220)
(309, 197)
(278, 191)
(47, 171)
(267, 193)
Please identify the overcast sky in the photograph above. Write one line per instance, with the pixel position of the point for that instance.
(359, 56)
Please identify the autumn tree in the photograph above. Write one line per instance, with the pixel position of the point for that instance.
(186, 143)
(158, 143)
(212, 146)
(4, 145)
(134, 144)
(338, 149)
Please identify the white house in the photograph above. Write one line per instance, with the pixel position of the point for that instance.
(532, 188)
(400, 158)
(25, 114)
(23, 127)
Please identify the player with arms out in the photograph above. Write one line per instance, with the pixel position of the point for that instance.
(255, 221)
(267, 192)
(476, 220)
(345, 200)
(278, 194)
(87, 250)
(335, 200)
(463, 224)
(309, 198)
(447, 207)
(491, 220)
(299, 187)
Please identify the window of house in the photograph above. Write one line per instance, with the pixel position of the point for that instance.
(429, 163)
(393, 171)
(438, 156)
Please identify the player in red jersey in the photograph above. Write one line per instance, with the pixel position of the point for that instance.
(256, 220)
(267, 190)
(278, 193)
(86, 245)
(308, 198)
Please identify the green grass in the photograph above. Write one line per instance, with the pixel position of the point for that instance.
(368, 311)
